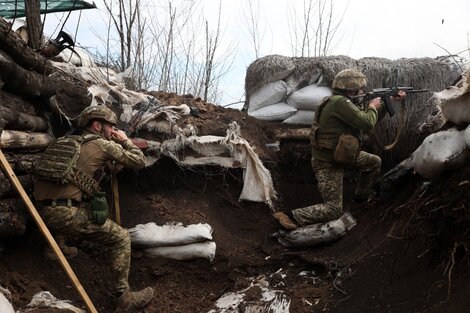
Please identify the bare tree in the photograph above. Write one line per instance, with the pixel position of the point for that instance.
(252, 18)
(313, 34)
(170, 46)
(124, 23)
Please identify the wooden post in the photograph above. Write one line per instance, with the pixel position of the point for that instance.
(117, 208)
(47, 234)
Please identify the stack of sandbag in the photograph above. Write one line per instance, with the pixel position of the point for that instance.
(280, 88)
(174, 241)
(272, 103)
(316, 234)
(268, 103)
(447, 149)
(306, 101)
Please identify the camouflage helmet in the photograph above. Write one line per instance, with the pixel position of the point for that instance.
(350, 80)
(96, 112)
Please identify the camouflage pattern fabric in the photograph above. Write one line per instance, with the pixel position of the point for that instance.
(73, 221)
(63, 220)
(330, 184)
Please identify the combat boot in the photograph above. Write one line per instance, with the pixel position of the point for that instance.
(285, 220)
(130, 301)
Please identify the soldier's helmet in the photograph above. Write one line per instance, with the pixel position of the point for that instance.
(96, 112)
(350, 80)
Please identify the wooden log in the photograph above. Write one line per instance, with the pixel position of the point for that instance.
(23, 163)
(293, 133)
(70, 94)
(15, 102)
(18, 80)
(13, 217)
(5, 186)
(26, 57)
(10, 119)
(13, 139)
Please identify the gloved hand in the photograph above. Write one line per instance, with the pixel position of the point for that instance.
(99, 208)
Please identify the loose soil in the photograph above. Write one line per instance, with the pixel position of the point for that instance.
(408, 252)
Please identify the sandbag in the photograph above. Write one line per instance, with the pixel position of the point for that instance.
(440, 151)
(315, 234)
(301, 117)
(457, 110)
(308, 98)
(5, 305)
(44, 299)
(204, 250)
(270, 93)
(274, 112)
(153, 235)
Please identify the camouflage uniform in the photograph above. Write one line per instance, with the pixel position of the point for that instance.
(342, 115)
(75, 221)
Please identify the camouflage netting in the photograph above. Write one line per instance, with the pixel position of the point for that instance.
(420, 73)
(267, 69)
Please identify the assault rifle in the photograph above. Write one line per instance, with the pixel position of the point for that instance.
(385, 94)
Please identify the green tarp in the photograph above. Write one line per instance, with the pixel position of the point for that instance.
(15, 8)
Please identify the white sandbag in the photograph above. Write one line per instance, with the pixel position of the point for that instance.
(454, 101)
(258, 297)
(77, 57)
(316, 234)
(308, 98)
(274, 112)
(457, 110)
(270, 93)
(301, 117)
(204, 250)
(44, 299)
(467, 136)
(440, 151)
(153, 235)
(5, 305)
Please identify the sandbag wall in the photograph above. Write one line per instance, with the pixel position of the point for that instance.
(289, 90)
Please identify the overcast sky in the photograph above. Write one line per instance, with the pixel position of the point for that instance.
(390, 29)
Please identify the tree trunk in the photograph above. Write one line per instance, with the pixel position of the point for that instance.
(13, 120)
(26, 57)
(22, 163)
(15, 102)
(7, 189)
(11, 139)
(71, 95)
(33, 21)
(20, 81)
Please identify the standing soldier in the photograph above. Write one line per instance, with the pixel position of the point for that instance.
(69, 197)
(335, 145)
